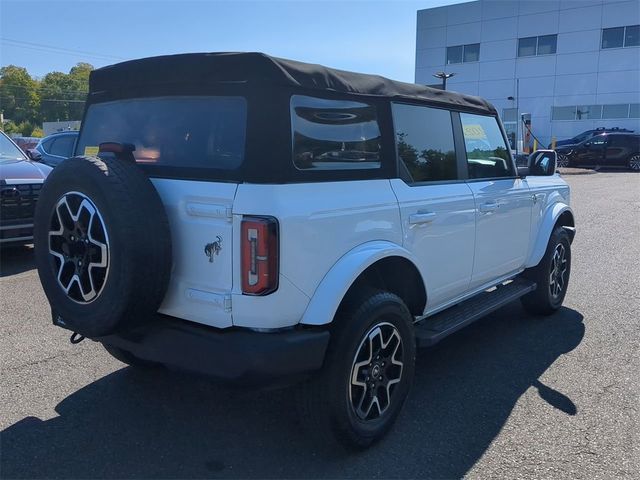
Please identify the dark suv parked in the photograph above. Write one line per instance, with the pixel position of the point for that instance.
(606, 149)
(586, 135)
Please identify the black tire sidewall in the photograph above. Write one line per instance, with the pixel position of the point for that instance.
(125, 290)
(381, 307)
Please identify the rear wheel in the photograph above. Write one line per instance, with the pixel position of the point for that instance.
(634, 162)
(367, 374)
(551, 276)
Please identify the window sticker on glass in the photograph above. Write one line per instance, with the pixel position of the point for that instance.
(91, 151)
(475, 132)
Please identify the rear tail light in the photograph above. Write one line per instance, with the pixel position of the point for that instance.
(259, 258)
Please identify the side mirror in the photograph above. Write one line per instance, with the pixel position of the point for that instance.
(523, 172)
(34, 155)
(543, 163)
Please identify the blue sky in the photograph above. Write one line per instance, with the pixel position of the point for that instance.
(372, 37)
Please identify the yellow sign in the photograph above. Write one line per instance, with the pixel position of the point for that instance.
(474, 132)
(91, 151)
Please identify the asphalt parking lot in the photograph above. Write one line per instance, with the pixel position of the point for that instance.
(512, 396)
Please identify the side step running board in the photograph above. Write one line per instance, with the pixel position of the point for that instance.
(433, 329)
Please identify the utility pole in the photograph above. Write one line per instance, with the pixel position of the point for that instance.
(443, 76)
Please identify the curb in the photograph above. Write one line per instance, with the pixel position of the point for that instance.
(576, 171)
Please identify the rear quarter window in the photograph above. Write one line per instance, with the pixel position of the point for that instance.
(334, 134)
(190, 132)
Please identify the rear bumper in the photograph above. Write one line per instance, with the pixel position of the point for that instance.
(235, 355)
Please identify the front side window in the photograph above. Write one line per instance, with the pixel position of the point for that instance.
(334, 134)
(424, 142)
(598, 141)
(487, 152)
(194, 132)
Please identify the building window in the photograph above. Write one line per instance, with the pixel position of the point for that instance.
(463, 53)
(471, 52)
(619, 37)
(615, 111)
(542, 45)
(509, 114)
(591, 112)
(588, 112)
(563, 113)
(632, 36)
(547, 44)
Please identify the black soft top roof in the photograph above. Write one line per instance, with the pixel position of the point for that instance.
(262, 69)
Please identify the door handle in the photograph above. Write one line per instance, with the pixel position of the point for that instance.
(421, 217)
(489, 207)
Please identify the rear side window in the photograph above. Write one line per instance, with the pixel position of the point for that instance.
(424, 141)
(62, 146)
(200, 132)
(487, 152)
(334, 134)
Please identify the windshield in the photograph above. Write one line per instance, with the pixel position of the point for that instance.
(8, 151)
(201, 132)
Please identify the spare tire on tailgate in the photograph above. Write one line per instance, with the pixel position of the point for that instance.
(103, 245)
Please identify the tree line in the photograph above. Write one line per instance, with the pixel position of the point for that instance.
(26, 101)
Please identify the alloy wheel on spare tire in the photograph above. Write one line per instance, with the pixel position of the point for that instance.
(103, 245)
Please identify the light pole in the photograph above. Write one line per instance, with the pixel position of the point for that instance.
(443, 76)
(517, 99)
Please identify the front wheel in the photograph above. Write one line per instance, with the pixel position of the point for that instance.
(551, 275)
(367, 374)
(634, 162)
(563, 161)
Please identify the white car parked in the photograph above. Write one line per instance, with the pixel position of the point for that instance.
(259, 219)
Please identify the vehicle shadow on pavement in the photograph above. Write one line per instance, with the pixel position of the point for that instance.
(157, 424)
(14, 260)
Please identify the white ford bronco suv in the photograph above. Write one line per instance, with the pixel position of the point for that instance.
(263, 220)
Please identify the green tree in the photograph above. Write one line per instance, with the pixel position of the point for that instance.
(63, 94)
(19, 98)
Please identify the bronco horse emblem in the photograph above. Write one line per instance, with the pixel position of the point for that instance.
(212, 249)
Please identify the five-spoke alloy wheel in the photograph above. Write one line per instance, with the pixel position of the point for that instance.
(367, 373)
(79, 247)
(558, 271)
(377, 369)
